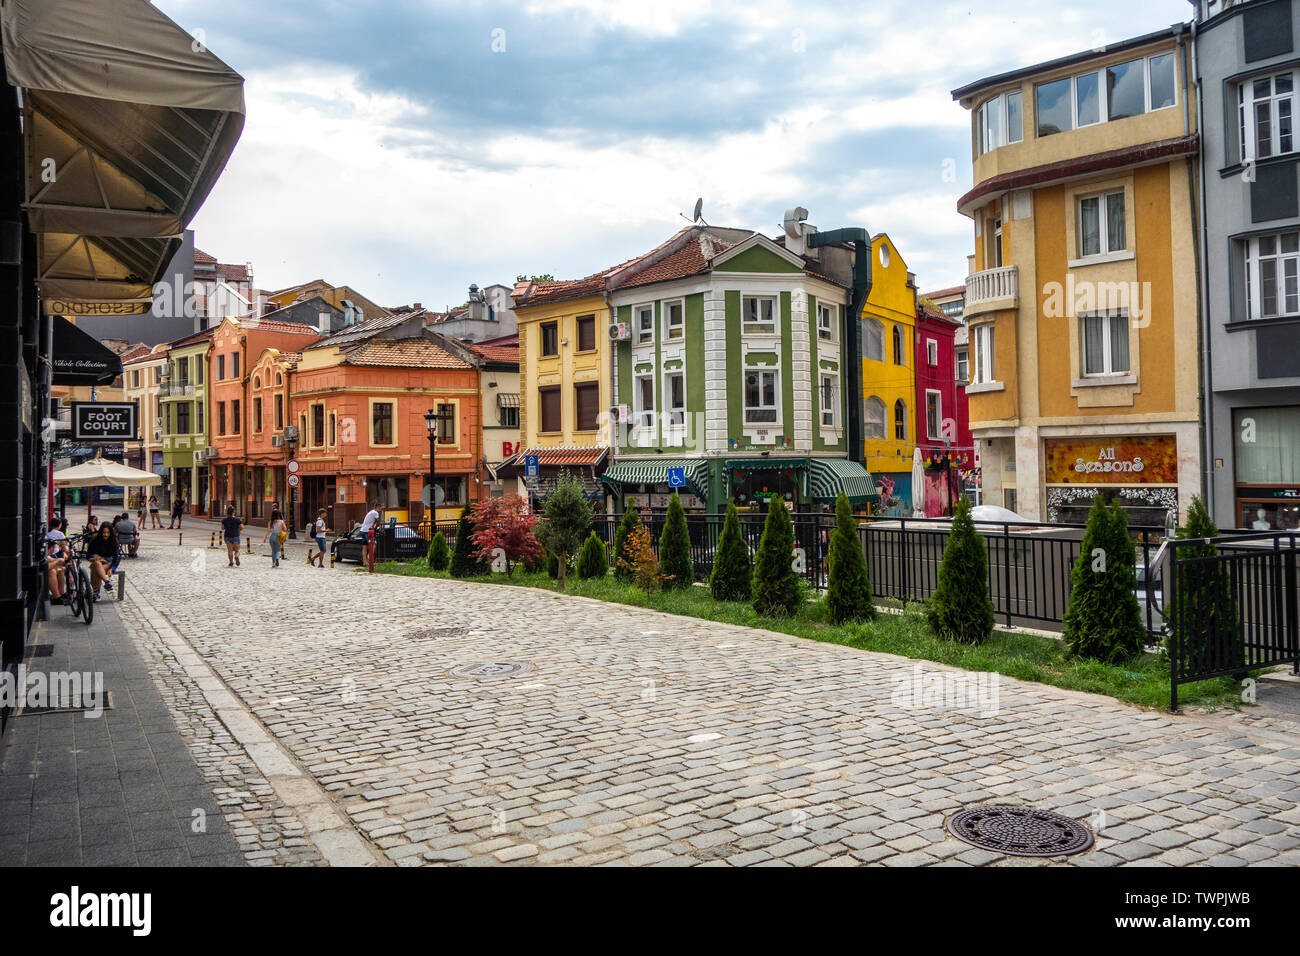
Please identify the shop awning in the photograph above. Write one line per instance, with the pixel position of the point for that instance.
(655, 472)
(507, 399)
(128, 122)
(79, 359)
(827, 477)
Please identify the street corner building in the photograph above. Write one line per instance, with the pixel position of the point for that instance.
(138, 121)
(1082, 303)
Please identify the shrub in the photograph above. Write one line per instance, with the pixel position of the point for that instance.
(439, 554)
(776, 586)
(675, 548)
(733, 571)
(592, 562)
(631, 520)
(1103, 621)
(641, 564)
(567, 521)
(1205, 623)
(848, 592)
(505, 525)
(463, 562)
(960, 608)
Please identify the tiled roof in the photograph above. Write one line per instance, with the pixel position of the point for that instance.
(403, 353)
(291, 358)
(263, 324)
(368, 329)
(559, 456)
(955, 290)
(137, 353)
(825, 278)
(202, 258)
(505, 349)
(687, 261)
(233, 272)
(194, 339)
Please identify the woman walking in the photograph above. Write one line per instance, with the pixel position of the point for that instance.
(276, 532)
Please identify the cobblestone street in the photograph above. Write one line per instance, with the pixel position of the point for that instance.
(638, 738)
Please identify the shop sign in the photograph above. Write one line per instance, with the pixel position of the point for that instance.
(1146, 460)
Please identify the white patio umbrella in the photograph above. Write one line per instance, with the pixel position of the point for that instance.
(102, 472)
(918, 485)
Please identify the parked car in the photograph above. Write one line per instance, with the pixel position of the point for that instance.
(392, 543)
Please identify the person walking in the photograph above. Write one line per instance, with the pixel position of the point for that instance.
(276, 532)
(232, 529)
(141, 506)
(318, 530)
(178, 509)
(368, 529)
(153, 512)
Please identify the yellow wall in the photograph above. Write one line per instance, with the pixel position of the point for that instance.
(893, 303)
(568, 368)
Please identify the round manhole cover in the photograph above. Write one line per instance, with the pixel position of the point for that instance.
(1020, 831)
(492, 670)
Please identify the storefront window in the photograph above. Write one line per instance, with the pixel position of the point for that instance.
(1269, 515)
(1268, 445)
(384, 492)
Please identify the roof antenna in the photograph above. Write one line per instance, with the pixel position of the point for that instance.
(697, 215)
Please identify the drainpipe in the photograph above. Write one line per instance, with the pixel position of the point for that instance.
(613, 391)
(858, 298)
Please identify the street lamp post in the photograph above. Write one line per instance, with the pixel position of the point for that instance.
(431, 419)
(291, 442)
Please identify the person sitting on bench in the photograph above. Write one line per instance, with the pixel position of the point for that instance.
(128, 535)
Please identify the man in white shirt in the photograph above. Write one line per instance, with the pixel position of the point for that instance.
(368, 524)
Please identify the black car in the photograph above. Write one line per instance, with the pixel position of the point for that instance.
(392, 543)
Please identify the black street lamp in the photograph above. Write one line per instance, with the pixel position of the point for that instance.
(291, 442)
(431, 419)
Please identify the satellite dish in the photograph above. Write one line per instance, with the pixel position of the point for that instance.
(699, 208)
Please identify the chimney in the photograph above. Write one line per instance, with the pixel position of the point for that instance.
(323, 323)
(418, 306)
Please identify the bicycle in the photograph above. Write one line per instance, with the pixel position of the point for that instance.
(80, 595)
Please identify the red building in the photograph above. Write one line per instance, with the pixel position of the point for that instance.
(942, 414)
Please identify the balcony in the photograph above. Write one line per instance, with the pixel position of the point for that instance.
(175, 389)
(992, 289)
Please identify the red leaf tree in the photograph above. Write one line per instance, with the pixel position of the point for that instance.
(506, 525)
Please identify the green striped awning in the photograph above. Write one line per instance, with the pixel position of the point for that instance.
(827, 477)
(655, 472)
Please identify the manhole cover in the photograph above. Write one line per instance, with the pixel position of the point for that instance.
(1020, 831)
(39, 650)
(492, 670)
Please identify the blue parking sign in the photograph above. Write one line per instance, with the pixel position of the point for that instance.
(676, 477)
(530, 466)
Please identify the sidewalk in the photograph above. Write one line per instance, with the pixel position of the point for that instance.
(117, 789)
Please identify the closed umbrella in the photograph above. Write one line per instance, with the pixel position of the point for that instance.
(102, 472)
(918, 485)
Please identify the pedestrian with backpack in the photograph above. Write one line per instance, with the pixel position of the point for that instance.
(317, 530)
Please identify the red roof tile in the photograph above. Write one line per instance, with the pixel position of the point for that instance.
(564, 455)
(403, 353)
(505, 349)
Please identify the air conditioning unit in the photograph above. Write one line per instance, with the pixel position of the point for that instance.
(620, 332)
(157, 423)
(277, 441)
(210, 452)
(620, 414)
(157, 434)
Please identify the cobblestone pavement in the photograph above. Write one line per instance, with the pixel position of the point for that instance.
(640, 738)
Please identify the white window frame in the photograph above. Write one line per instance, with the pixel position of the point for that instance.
(983, 355)
(1254, 275)
(1108, 332)
(643, 419)
(774, 409)
(869, 404)
(1103, 92)
(999, 108)
(830, 410)
(1104, 200)
(670, 327)
(756, 328)
(962, 357)
(937, 397)
(932, 352)
(1247, 127)
(675, 415)
(643, 324)
(826, 324)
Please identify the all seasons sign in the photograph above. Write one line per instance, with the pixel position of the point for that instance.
(104, 421)
(1145, 460)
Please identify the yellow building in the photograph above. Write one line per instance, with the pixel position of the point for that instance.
(142, 383)
(888, 367)
(1082, 301)
(564, 381)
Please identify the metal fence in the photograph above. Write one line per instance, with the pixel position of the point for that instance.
(1232, 611)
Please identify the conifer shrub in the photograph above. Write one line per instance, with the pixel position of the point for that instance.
(1205, 622)
(439, 554)
(776, 586)
(1103, 621)
(592, 562)
(848, 591)
(960, 609)
(733, 570)
(675, 562)
(463, 562)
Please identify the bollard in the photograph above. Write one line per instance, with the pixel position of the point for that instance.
(179, 539)
(331, 559)
(121, 585)
(249, 541)
(213, 542)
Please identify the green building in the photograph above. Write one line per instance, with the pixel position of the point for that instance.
(186, 417)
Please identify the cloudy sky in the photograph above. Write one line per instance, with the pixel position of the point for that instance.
(411, 147)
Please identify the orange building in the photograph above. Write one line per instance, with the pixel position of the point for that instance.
(247, 468)
(360, 398)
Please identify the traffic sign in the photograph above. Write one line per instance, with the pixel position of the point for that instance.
(531, 468)
(292, 467)
(293, 481)
(676, 477)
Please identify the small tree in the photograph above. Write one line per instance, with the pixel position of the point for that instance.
(567, 521)
(733, 571)
(960, 608)
(848, 594)
(592, 562)
(630, 521)
(641, 564)
(1205, 621)
(776, 586)
(675, 548)
(505, 525)
(463, 562)
(439, 554)
(1104, 621)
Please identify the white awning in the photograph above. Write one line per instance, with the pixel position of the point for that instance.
(128, 122)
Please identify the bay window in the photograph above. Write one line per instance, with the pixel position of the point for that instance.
(1107, 94)
(1272, 275)
(982, 337)
(1000, 121)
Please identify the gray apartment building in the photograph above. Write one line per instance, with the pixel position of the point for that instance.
(1248, 69)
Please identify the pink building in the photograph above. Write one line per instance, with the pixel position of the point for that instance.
(942, 414)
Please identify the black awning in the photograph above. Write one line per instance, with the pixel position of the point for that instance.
(80, 359)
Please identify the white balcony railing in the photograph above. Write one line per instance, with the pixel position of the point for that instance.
(992, 285)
